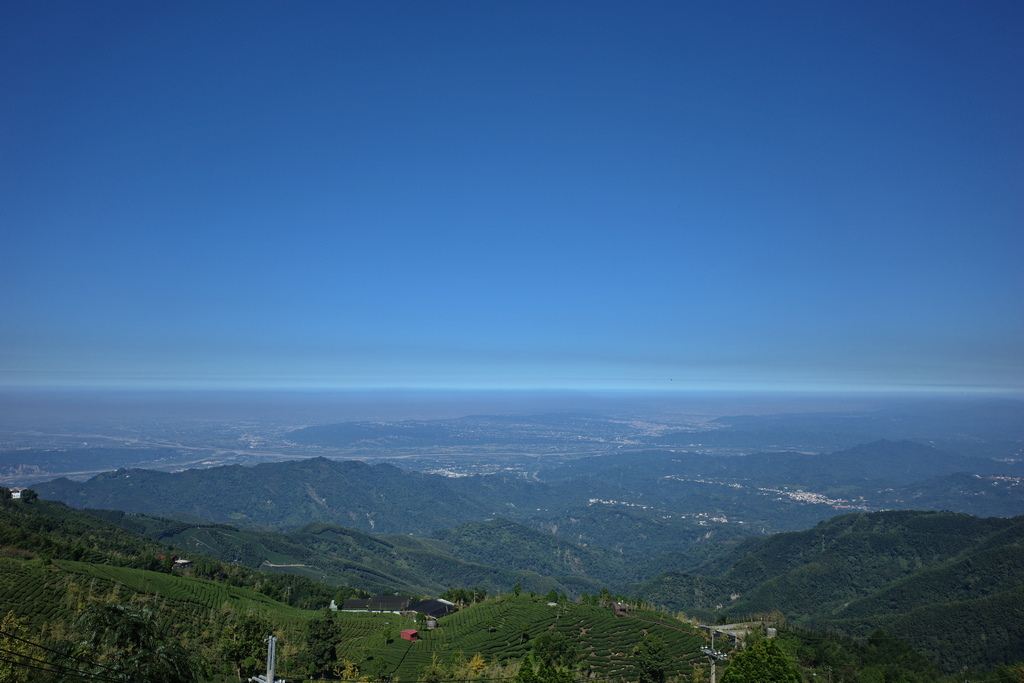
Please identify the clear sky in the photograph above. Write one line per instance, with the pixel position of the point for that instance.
(634, 195)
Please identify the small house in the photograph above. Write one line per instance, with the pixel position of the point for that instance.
(410, 634)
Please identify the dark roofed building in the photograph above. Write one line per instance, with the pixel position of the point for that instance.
(434, 608)
(389, 603)
(378, 603)
(356, 604)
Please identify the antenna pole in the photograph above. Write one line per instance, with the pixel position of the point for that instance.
(271, 657)
(713, 659)
(271, 663)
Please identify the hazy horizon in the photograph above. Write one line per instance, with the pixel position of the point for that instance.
(324, 406)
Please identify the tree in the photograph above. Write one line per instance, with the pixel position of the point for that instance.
(378, 669)
(15, 662)
(651, 660)
(532, 672)
(435, 672)
(761, 663)
(552, 649)
(319, 657)
(872, 675)
(126, 643)
(243, 645)
(28, 495)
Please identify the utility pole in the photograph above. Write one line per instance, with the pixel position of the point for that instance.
(271, 663)
(713, 655)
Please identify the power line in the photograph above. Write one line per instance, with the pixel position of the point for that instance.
(51, 667)
(66, 655)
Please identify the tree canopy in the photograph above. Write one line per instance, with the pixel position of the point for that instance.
(761, 663)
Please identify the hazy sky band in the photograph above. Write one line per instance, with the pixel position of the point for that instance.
(512, 194)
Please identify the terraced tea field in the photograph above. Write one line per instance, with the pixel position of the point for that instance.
(502, 629)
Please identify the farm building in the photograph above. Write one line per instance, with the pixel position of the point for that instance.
(378, 603)
(410, 634)
(434, 608)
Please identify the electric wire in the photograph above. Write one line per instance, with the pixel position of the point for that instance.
(51, 667)
(66, 655)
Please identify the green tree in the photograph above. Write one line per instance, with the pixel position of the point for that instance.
(435, 672)
(321, 634)
(378, 669)
(126, 643)
(552, 649)
(651, 660)
(530, 671)
(15, 662)
(527, 671)
(872, 675)
(243, 644)
(761, 663)
(28, 495)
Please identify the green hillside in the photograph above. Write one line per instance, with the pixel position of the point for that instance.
(88, 561)
(503, 543)
(379, 564)
(379, 498)
(505, 628)
(949, 584)
(907, 572)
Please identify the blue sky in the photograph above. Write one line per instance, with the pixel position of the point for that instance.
(582, 195)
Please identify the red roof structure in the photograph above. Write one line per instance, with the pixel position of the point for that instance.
(410, 634)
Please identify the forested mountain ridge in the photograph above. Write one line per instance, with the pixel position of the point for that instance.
(661, 495)
(871, 476)
(504, 543)
(381, 564)
(864, 571)
(378, 498)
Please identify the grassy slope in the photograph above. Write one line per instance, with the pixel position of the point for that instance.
(501, 629)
